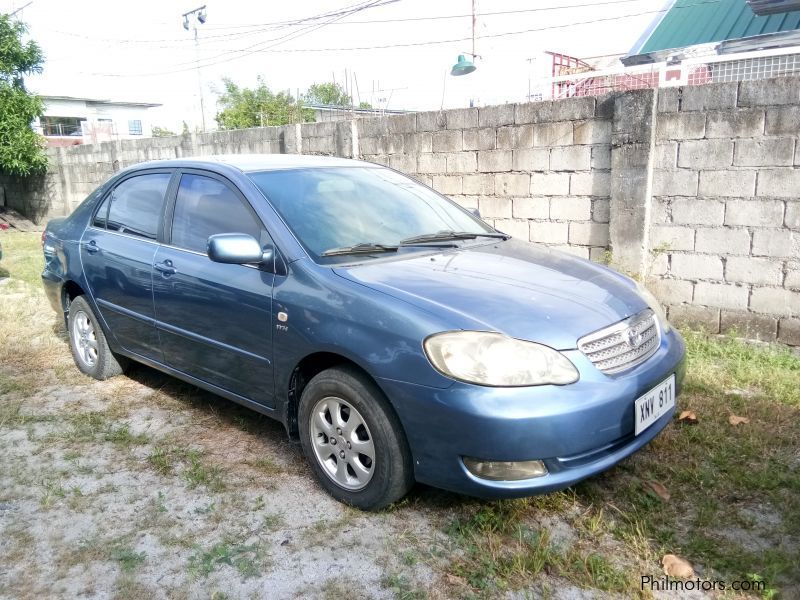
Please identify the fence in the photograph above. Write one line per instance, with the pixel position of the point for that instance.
(726, 68)
(695, 189)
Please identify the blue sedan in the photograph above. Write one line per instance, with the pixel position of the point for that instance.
(395, 334)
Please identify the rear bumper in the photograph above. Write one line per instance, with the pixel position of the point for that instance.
(577, 430)
(52, 289)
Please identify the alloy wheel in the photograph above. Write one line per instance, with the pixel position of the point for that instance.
(85, 339)
(342, 442)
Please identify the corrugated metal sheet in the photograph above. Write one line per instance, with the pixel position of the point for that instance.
(691, 22)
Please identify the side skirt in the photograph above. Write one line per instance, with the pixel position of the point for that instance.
(255, 406)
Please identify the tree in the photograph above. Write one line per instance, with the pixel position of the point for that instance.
(244, 107)
(162, 131)
(332, 94)
(21, 148)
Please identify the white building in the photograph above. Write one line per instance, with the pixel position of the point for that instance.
(68, 121)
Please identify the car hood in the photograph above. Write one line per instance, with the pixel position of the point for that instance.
(525, 291)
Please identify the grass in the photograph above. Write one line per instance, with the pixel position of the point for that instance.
(22, 257)
(734, 508)
(247, 559)
(195, 469)
(127, 558)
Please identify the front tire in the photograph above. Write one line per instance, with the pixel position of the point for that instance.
(353, 440)
(88, 344)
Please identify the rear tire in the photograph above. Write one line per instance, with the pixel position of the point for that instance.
(353, 440)
(88, 344)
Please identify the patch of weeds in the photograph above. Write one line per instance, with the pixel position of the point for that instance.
(595, 571)
(272, 521)
(204, 510)
(127, 588)
(198, 473)
(20, 385)
(266, 465)
(122, 436)
(719, 365)
(81, 428)
(246, 559)
(161, 459)
(53, 491)
(402, 588)
(319, 532)
(127, 558)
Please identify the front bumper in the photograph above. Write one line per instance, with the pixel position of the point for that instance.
(578, 430)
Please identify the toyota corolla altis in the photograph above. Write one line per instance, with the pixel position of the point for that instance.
(395, 334)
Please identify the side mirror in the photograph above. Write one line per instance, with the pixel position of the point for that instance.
(475, 212)
(237, 249)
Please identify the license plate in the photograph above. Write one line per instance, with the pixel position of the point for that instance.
(654, 404)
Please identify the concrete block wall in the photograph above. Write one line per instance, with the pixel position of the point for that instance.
(540, 171)
(725, 232)
(695, 190)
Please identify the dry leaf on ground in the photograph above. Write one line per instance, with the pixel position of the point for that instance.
(688, 416)
(736, 420)
(660, 490)
(675, 566)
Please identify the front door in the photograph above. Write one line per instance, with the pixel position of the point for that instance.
(117, 252)
(214, 320)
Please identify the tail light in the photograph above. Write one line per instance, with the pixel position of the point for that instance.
(44, 237)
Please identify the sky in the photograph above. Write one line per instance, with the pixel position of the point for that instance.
(139, 51)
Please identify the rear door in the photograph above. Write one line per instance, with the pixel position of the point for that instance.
(214, 320)
(117, 252)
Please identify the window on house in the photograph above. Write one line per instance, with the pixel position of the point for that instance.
(61, 126)
(135, 127)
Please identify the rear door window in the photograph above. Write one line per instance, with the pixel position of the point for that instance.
(206, 207)
(136, 205)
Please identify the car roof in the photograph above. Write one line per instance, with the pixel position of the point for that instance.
(248, 163)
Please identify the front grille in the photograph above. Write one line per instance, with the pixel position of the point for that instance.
(622, 345)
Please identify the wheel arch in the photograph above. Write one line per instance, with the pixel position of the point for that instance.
(69, 291)
(305, 370)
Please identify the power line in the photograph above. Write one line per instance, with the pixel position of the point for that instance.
(255, 29)
(313, 26)
(443, 17)
(269, 49)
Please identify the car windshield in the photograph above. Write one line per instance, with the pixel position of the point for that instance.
(344, 211)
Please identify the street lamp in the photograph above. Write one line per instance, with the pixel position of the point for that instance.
(200, 17)
(464, 66)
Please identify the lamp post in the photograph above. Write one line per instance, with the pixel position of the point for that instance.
(464, 66)
(193, 18)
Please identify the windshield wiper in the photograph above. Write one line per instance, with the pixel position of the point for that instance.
(441, 236)
(363, 248)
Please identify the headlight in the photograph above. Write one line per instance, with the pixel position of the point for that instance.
(494, 359)
(654, 305)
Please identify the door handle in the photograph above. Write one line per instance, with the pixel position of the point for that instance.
(165, 268)
(91, 247)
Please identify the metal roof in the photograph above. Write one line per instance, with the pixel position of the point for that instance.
(99, 101)
(692, 22)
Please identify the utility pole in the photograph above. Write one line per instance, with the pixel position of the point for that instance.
(21, 8)
(199, 17)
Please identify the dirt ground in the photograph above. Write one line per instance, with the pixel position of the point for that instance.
(144, 487)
